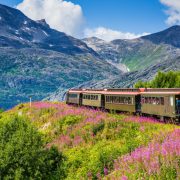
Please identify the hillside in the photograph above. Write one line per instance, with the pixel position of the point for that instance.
(36, 60)
(126, 80)
(139, 54)
(94, 144)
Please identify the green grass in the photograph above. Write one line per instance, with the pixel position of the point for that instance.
(90, 140)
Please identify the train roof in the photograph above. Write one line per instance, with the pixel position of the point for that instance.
(104, 92)
(126, 91)
(161, 92)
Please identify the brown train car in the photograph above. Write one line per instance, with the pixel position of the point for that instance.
(74, 97)
(122, 101)
(92, 98)
(161, 102)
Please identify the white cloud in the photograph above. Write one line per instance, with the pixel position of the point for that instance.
(67, 17)
(59, 14)
(109, 34)
(173, 11)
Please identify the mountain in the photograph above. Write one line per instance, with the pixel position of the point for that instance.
(140, 53)
(126, 80)
(107, 51)
(139, 59)
(170, 36)
(36, 60)
(18, 31)
(39, 62)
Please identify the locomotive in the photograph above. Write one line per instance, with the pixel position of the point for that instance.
(163, 103)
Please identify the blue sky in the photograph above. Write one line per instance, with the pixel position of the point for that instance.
(133, 16)
(126, 15)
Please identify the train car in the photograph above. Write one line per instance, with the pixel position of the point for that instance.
(74, 97)
(161, 102)
(157, 102)
(92, 98)
(127, 100)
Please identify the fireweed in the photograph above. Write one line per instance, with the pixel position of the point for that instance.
(158, 160)
(92, 139)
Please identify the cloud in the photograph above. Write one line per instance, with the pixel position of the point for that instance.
(173, 11)
(59, 14)
(109, 34)
(67, 17)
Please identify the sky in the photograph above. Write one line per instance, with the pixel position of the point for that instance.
(105, 19)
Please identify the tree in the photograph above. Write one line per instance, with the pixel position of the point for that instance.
(1, 110)
(162, 80)
(22, 152)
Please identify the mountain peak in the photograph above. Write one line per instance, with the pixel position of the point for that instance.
(170, 36)
(19, 31)
(43, 22)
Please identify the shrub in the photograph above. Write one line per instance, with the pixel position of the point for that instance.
(22, 152)
(98, 127)
(1, 110)
(162, 80)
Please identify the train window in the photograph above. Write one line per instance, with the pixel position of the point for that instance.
(122, 100)
(125, 100)
(146, 100)
(150, 100)
(142, 100)
(119, 100)
(158, 101)
(129, 100)
(116, 99)
(111, 99)
(107, 98)
(94, 97)
(154, 101)
(73, 95)
(162, 100)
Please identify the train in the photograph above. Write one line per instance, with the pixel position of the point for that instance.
(163, 103)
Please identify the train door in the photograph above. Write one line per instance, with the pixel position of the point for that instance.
(67, 97)
(138, 103)
(80, 99)
(103, 101)
(178, 105)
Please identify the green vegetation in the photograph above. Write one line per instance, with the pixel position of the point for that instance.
(162, 80)
(145, 57)
(92, 143)
(1, 110)
(22, 152)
